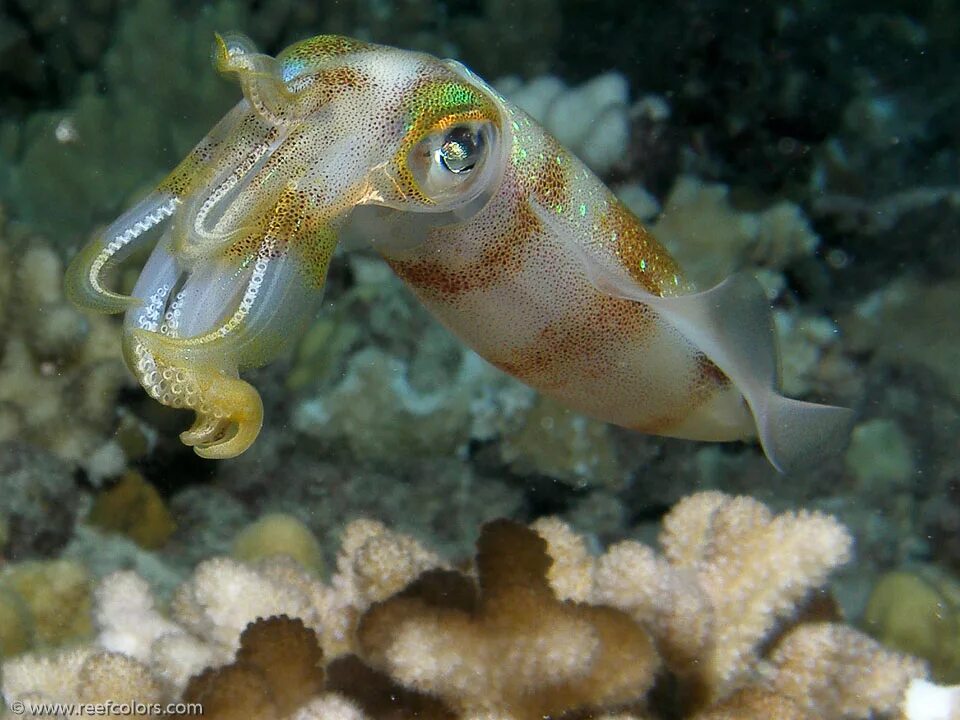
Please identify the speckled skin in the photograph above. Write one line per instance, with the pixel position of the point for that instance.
(506, 284)
(515, 246)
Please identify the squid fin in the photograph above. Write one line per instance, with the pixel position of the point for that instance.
(732, 324)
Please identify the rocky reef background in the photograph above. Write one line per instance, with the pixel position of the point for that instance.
(814, 142)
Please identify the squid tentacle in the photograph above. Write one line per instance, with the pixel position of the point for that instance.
(84, 277)
(198, 235)
(191, 362)
(260, 78)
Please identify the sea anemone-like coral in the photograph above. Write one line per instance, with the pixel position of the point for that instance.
(725, 623)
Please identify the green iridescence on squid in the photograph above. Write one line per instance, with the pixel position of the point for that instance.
(503, 234)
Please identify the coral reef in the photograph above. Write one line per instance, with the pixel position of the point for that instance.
(711, 239)
(827, 165)
(38, 501)
(537, 625)
(60, 371)
(43, 604)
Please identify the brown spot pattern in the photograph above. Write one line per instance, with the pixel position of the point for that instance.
(503, 256)
(579, 343)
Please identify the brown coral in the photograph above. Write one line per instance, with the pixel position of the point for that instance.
(507, 645)
(278, 668)
(729, 619)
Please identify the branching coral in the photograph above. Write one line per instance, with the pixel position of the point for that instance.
(509, 645)
(720, 626)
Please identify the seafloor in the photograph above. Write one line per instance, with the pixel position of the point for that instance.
(814, 143)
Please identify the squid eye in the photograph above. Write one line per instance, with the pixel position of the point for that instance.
(453, 165)
(460, 150)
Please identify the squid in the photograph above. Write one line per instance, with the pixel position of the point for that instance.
(508, 239)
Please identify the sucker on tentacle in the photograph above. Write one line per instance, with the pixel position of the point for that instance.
(83, 283)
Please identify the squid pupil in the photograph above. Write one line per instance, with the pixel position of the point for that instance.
(460, 150)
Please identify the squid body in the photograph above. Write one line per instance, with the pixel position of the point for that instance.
(508, 238)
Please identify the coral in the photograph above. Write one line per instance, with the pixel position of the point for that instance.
(412, 395)
(55, 595)
(16, 633)
(134, 508)
(732, 570)
(537, 626)
(105, 553)
(38, 501)
(711, 239)
(444, 637)
(126, 617)
(812, 359)
(81, 675)
(278, 667)
(917, 611)
(383, 418)
(60, 371)
(43, 604)
(559, 443)
(279, 534)
(923, 314)
(835, 671)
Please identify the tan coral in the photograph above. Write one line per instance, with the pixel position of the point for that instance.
(509, 646)
(836, 671)
(330, 707)
(571, 572)
(57, 364)
(374, 562)
(81, 676)
(724, 607)
(755, 703)
(223, 596)
(279, 534)
(45, 604)
(278, 668)
(756, 569)
(668, 600)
